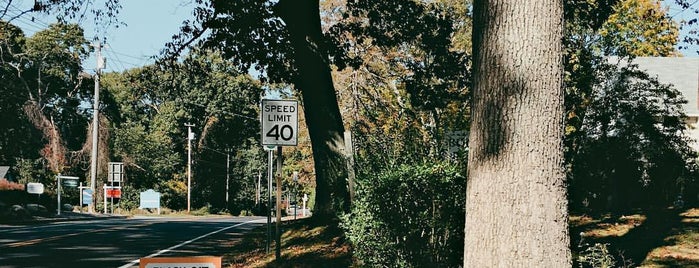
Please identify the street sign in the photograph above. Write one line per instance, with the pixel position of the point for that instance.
(69, 181)
(35, 188)
(87, 196)
(116, 172)
(279, 122)
(114, 193)
(150, 199)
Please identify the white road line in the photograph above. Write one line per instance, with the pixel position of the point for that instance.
(136, 261)
(10, 228)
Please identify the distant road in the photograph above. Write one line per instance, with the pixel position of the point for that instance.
(119, 242)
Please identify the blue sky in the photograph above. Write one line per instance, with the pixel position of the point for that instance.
(151, 23)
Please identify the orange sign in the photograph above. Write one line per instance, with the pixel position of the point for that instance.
(114, 193)
(181, 262)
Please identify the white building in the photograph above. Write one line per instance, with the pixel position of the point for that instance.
(683, 73)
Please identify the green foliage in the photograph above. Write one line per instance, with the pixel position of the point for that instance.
(149, 108)
(631, 144)
(42, 93)
(624, 133)
(173, 194)
(130, 197)
(639, 28)
(410, 216)
(596, 256)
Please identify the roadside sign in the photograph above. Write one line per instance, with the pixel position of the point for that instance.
(113, 193)
(68, 181)
(279, 122)
(87, 196)
(150, 199)
(181, 262)
(116, 172)
(35, 188)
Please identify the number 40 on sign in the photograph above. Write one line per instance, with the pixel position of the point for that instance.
(279, 122)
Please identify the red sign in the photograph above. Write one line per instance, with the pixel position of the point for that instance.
(114, 193)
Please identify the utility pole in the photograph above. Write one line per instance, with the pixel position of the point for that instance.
(228, 168)
(190, 137)
(95, 123)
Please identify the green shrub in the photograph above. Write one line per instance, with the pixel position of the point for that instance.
(596, 256)
(412, 216)
(130, 198)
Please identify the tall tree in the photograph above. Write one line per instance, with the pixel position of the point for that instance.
(288, 44)
(45, 70)
(516, 205)
(634, 144)
(284, 41)
(639, 28)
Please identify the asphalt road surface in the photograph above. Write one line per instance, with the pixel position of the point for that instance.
(119, 242)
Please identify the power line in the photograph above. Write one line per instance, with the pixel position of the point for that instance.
(27, 24)
(16, 13)
(685, 9)
(222, 111)
(214, 150)
(145, 58)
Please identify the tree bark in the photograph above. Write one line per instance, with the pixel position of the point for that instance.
(325, 127)
(516, 203)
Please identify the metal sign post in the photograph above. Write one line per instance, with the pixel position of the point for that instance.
(116, 174)
(279, 121)
(278, 252)
(59, 179)
(270, 152)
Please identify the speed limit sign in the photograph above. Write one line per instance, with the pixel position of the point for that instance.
(280, 122)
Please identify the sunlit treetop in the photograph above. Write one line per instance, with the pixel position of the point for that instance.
(640, 28)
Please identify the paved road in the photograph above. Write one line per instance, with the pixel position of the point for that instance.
(118, 242)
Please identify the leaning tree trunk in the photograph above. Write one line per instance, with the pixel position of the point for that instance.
(516, 204)
(321, 109)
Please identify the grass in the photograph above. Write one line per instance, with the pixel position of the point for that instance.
(303, 244)
(681, 249)
(650, 239)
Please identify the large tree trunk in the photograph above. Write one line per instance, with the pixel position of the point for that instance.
(321, 109)
(516, 205)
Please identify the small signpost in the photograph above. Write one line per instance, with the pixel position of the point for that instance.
(150, 199)
(116, 172)
(35, 188)
(87, 196)
(305, 199)
(111, 192)
(115, 175)
(67, 181)
(280, 124)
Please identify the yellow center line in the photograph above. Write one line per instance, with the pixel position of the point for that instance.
(53, 238)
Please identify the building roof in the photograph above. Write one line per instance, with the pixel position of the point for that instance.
(683, 73)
